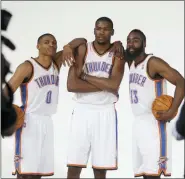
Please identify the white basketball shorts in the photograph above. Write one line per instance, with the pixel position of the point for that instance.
(34, 146)
(93, 129)
(151, 146)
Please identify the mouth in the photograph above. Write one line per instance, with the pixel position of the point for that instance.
(101, 38)
(51, 50)
(131, 50)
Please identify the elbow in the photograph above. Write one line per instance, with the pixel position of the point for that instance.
(83, 40)
(181, 82)
(114, 88)
(71, 87)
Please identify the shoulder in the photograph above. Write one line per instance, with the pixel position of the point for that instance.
(25, 66)
(154, 60)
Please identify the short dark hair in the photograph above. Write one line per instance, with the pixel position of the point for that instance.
(106, 19)
(43, 35)
(141, 33)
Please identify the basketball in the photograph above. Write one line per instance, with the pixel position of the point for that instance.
(162, 103)
(20, 116)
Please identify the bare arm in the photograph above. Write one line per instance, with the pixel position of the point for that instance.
(159, 66)
(23, 71)
(73, 45)
(74, 83)
(112, 83)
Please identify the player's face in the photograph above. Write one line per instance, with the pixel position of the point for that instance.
(135, 45)
(103, 32)
(47, 46)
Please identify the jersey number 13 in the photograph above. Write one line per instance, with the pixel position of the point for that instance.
(133, 96)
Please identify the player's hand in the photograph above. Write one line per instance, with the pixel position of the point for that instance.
(165, 116)
(67, 56)
(118, 50)
(82, 75)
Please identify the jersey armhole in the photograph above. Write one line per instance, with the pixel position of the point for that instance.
(147, 72)
(28, 79)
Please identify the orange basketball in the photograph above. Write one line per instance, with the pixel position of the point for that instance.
(162, 103)
(20, 116)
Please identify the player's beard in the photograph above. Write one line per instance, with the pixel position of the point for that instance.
(132, 56)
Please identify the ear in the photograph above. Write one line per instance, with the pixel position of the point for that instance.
(38, 46)
(112, 32)
(144, 44)
(94, 31)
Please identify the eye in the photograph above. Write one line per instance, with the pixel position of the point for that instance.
(46, 42)
(107, 29)
(98, 28)
(136, 40)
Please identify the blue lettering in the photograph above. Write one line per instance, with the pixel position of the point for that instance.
(137, 79)
(47, 80)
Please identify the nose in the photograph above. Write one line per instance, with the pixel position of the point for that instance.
(51, 44)
(130, 43)
(102, 31)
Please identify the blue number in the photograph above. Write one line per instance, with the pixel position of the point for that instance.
(134, 98)
(48, 97)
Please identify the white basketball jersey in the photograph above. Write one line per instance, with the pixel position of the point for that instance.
(40, 94)
(99, 66)
(143, 90)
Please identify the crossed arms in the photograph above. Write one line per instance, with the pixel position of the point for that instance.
(77, 83)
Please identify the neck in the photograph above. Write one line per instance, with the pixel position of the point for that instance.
(44, 60)
(101, 47)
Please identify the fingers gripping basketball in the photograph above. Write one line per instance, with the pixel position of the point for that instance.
(20, 116)
(162, 103)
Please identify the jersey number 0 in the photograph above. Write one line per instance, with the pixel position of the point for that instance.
(48, 97)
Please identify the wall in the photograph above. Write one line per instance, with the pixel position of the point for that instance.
(163, 24)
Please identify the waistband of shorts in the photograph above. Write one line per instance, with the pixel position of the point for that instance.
(94, 106)
(140, 116)
(36, 114)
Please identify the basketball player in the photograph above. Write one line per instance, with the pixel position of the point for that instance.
(95, 79)
(147, 80)
(38, 79)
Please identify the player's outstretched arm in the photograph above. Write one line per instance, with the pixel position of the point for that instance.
(23, 72)
(160, 67)
(112, 83)
(74, 83)
(67, 55)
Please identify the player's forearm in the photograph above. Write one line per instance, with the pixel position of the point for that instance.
(75, 84)
(73, 45)
(178, 95)
(77, 42)
(103, 83)
(81, 86)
